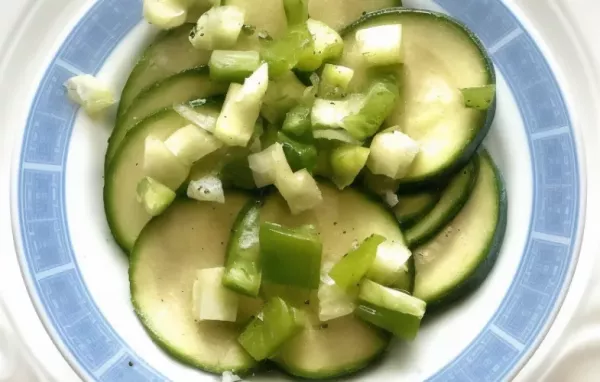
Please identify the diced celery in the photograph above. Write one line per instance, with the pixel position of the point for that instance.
(277, 323)
(165, 14)
(391, 198)
(390, 263)
(206, 189)
(206, 121)
(218, 28)
(243, 271)
(381, 45)
(236, 123)
(290, 256)
(346, 163)
(161, 164)
(267, 164)
(327, 46)
(377, 104)
(334, 302)
(334, 81)
(336, 135)
(283, 94)
(155, 196)
(299, 155)
(355, 264)
(283, 54)
(232, 65)
(212, 301)
(300, 190)
(392, 310)
(90, 93)
(296, 11)
(191, 143)
(392, 154)
(297, 121)
(479, 98)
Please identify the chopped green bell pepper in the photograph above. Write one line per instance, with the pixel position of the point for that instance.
(355, 264)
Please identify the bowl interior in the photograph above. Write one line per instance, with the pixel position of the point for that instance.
(78, 276)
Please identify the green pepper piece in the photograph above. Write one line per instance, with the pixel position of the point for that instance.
(232, 66)
(479, 98)
(390, 309)
(242, 268)
(297, 121)
(346, 163)
(277, 323)
(283, 54)
(296, 11)
(291, 256)
(355, 264)
(299, 155)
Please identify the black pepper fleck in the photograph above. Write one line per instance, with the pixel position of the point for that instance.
(324, 326)
(307, 302)
(130, 364)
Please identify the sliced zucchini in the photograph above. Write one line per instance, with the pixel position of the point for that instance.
(340, 13)
(126, 217)
(441, 56)
(343, 345)
(188, 237)
(170, 54)
(452, 200)
(459, 258)
(183, 87)
(268, 16)
(411, 208)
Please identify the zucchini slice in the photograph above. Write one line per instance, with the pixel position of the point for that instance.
(268, 15)
(347, 344)
(171, 53)
(441, 56)
(412, 208)
(126, 216)
(340, 13)
(182, 87)
(189, 236)
(461, 256)
(452, 200)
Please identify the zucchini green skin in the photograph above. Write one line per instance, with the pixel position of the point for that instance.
(142, 76)
(352, 10)
(416, 238)
(492, 251)
(485, 119)
(408, 220)
(125, 122)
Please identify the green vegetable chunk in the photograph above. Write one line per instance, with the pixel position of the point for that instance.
(299, 155)
(297, 121)
(296, 11)
(334, 81)
(283, 54)
(479, 98)
(291, 256)
(232, 66)
(277, 323)
(155, 196)
(355, 264)
(242, 268)
(346, 163)
(283, 94)
(392, 310)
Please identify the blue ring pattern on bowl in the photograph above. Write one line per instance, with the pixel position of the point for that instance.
(55, 281)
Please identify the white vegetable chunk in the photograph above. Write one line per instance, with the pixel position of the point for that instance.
(218, 28)
(266, 164)
(90, 93)
(207, 189)
(381, 45)
(165, 14)
(161, 164)
(211, 300)
(191, 143)
(392, 154)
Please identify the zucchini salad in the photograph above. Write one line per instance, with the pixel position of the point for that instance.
(296, 183)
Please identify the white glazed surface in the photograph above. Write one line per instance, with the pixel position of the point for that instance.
(579, 85)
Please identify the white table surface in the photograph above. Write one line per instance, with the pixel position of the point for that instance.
(570, 352)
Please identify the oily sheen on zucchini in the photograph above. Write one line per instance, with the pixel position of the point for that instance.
(441, 56)
(460, 257)
(190, 236)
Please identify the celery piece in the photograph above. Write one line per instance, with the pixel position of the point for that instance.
(155, 196)
(355, 264)
(327, 45)
(206, 121)
(191, 143)
(277, 323)
(283, 94)
(334, 81)
(297, 121)
(378, 103)
(211, 300)
(89, 92)
(218, 28)
(299, 155)
(392, 154)
(165, 14)
(291, 256)
(390, 263)
(381, 45)
(242, 267)
(392, 310)
(283, 54)
(164, 166)
(479, 98)
(346, 163)
(299, 189)
(232, 65)
(267, 165)
(296, 11)
(334, 302)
